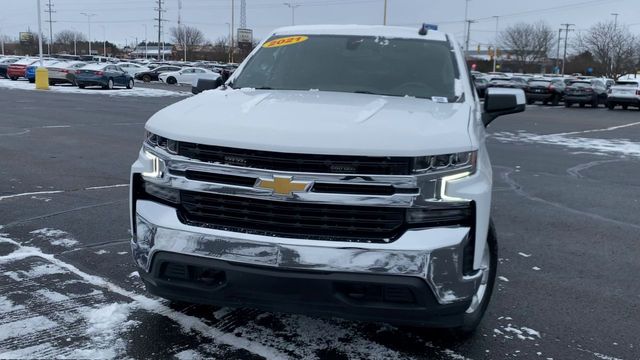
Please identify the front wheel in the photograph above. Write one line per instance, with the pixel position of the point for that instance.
(171, 80)
(530, 101)
(13, 78)
(109, 85)
(480, 302)
(567, 104)
(31, 81)
(130, 84)
(611, 106)
(146, 78)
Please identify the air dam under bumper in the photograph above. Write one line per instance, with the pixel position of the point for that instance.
(428, 262)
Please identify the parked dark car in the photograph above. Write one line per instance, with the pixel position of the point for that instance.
(545, 90)
(105, 75)
(582, 92)
(481, 85)
(4, 64)
(152, 75)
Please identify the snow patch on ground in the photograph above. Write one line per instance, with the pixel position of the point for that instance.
(503, 278)
(35, 272)
(610, 146)
(68, 89)
(101, 252)
(7, 305)
(55, 237)
(25, 326)
(512, 331)
(524, 255)
(52, 295)
(188, 355)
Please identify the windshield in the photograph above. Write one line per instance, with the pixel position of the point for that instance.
(356, 64)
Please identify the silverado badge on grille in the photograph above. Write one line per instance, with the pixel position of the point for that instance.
(283, 185)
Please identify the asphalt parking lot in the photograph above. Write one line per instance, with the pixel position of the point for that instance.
(566, 205)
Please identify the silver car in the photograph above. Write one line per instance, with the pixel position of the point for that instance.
(64, 72)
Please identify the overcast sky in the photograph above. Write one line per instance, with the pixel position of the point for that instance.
(122, 20)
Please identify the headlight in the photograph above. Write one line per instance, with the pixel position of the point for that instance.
(171, 146)
(436, 163)
(155, 165)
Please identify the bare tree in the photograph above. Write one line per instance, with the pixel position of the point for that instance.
(187, 36)
(528, 44)
(613, 47)
(68, 36)
(64, 40)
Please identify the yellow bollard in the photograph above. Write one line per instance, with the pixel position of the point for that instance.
(42, 78)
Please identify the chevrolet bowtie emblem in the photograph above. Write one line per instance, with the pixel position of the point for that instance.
(284, 185)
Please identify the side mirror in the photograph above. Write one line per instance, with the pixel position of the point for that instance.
(206, 84)
(502, 101)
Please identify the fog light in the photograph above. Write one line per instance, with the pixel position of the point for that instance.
(162, 192)
(452, 214)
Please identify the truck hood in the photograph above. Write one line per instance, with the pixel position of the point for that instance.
(317, 122)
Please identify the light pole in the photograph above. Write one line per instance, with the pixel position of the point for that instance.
(233, 9)
(89, 16)
(467, 25)
(495, 47)
(104, 41)
(384, 20)
(615, 21)
(2, 41)
(293, 7)
(40, 33)
(145, 41)
(566, 38)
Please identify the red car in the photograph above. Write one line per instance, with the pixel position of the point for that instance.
(18, 69)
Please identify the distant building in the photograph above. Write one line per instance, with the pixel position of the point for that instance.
(151, 52)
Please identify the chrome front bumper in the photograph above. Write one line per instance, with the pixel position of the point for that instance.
(434, 255)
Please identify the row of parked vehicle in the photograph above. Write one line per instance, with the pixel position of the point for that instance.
(107, 74)
(571, 90)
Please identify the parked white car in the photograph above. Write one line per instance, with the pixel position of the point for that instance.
(624, 93)
(131, 68)
(188, 76)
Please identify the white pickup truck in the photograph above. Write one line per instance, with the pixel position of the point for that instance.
(323, 180)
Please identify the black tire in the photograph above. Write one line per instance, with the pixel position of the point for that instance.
(171, 80)
(611, 106)
(130, 84)
(567, 104)
(555, 100)
(545, 102)
(31, 81)
(14, 78)
(146, 78)
(109, 85)
(625, 107)
(582, 105)
(472, 320)
(530, 101)
(81, 86)
(595, 103)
